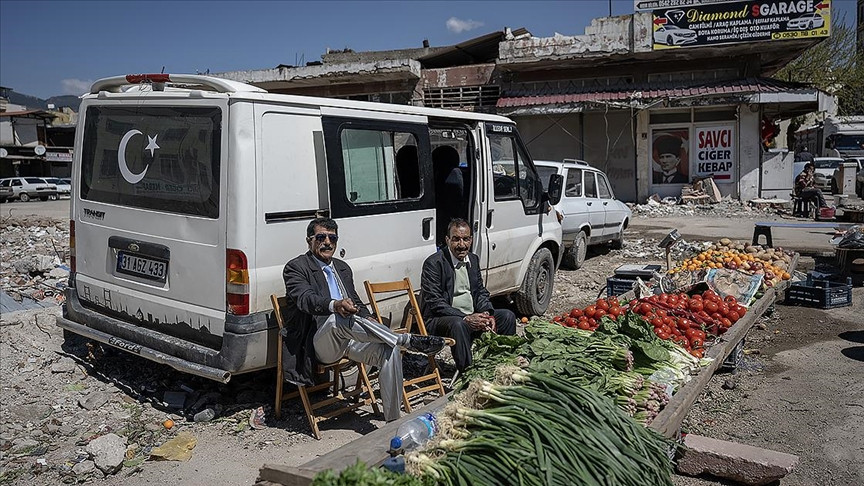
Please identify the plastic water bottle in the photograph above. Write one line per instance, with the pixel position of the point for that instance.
(414, 433)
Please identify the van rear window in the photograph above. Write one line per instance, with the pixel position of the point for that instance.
(159, 158)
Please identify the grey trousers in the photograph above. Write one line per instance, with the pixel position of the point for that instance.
(367, 342)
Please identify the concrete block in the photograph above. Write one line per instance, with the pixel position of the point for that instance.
(738, 462)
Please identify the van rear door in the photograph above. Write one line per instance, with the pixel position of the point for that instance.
(149, 215)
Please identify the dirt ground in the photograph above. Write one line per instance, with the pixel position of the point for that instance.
(800, 391)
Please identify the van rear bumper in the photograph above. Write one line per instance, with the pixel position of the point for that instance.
(241, 351)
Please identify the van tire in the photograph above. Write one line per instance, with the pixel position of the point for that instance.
(574, 255)
(532, 299)
(24, 197)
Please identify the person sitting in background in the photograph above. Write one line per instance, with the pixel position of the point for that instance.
(805, 186)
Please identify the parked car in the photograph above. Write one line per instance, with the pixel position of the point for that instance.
(27, 188)
(672, 35)
(807, 21)
(64, 187)
(5, 192)
(588, 210)
(824, 176)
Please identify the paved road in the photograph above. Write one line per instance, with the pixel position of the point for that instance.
(58, 209)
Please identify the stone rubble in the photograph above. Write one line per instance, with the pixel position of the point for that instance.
(726, 208)
(34, 255)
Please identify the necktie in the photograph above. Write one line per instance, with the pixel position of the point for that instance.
(335, 293)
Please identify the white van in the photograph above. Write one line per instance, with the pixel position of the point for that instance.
(190, 193)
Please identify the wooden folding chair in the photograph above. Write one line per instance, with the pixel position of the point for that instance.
(343, 401)
(411, 387)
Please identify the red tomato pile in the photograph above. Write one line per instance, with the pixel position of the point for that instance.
(589, 317)
(686, 320)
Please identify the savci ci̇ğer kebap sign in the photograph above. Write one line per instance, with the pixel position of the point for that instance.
(736, 22)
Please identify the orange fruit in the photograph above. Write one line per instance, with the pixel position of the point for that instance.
(168, 423)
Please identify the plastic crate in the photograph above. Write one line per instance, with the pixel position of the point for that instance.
(618, 286)
(823, 294)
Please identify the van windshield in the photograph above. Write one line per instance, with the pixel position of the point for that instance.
(159, 158)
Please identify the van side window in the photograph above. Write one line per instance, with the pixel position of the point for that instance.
(590, 185)
(513, 178)
(603, 185)
(373, 171)
(573, 186)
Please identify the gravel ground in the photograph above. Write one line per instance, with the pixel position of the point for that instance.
(799, 391)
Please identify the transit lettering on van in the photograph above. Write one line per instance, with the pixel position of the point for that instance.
(208, 202)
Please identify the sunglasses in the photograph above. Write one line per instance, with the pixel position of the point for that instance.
(320, 237)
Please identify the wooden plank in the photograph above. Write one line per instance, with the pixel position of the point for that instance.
(371, 449)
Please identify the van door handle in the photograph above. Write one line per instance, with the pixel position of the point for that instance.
(605, 202)
(489, 218)
(590, 203)
(427, 228)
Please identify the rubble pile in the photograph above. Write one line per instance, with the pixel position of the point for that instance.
(726, 208)
(34, 255)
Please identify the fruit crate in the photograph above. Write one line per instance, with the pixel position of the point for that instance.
(617, 286)
(823, 294)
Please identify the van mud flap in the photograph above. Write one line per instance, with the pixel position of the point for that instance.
(73, 308)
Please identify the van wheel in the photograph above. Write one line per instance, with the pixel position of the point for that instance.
(24, 197)
(574, 256)
(532, 299)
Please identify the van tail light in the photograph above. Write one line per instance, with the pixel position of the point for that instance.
(237, 282)
(72, 263)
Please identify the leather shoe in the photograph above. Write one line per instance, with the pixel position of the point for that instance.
(425, 344)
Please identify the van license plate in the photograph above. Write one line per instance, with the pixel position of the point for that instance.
(141, 267)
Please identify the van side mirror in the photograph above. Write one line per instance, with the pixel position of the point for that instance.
(556, 184)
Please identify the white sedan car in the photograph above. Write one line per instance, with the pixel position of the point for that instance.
(588, 210)
(808, 21)
(671, 35)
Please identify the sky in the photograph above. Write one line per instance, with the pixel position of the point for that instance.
(50, 48)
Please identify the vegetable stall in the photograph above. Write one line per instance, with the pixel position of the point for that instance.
(598, 393)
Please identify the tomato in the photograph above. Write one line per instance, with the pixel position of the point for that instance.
(697, 353)
(615, 311)
(725, 322)
(590, 310)
(660, 312)
(570, 322)
(664, 298)
(657, 322)
(732, 316)
(740, 309)
(716, 316)
(667, 321)
(695, 305)
(710, 306)
(646, 309)
(632, 304)
(696, 297)
(557, 319)
(709, 294)
(697, 342)
(730, 299)
(599, 313)
(613, 301)
(663, 335)
(602, 304)
(576, 312)
(592, 322)
(724, 308)
(685, 323)
(583, 325)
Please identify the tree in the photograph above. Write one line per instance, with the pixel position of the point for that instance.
(833, 65)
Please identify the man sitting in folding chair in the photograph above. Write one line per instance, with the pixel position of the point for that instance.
(455, 302)
(326, 320)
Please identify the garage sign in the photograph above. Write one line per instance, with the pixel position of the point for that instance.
(713, 23)
(714, 153)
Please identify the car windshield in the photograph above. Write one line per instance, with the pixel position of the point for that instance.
(672, 27)
(827, 163)
(52, 180)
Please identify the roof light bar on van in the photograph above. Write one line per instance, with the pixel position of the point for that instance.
(576, 161)
(237, 282)
(113, 84)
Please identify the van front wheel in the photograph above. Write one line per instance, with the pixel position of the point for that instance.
(532, 299)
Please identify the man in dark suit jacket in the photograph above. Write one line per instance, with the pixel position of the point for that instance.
(455, 302)
(326, 320)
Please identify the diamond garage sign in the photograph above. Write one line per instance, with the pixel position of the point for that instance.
(711, 23)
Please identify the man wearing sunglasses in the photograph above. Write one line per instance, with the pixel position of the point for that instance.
(326, 320)
(455, 302)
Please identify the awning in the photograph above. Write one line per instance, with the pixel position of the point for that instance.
(649, 92)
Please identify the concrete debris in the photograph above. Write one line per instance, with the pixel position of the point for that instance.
(108, 452)
(34, 254)
(65, 365)
(84, 468)
(655, 207)
(93, 400)
(739, 462)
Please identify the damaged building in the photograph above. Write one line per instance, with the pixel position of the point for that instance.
(650, 106)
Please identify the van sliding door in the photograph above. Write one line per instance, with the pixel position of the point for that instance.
(381, 195)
